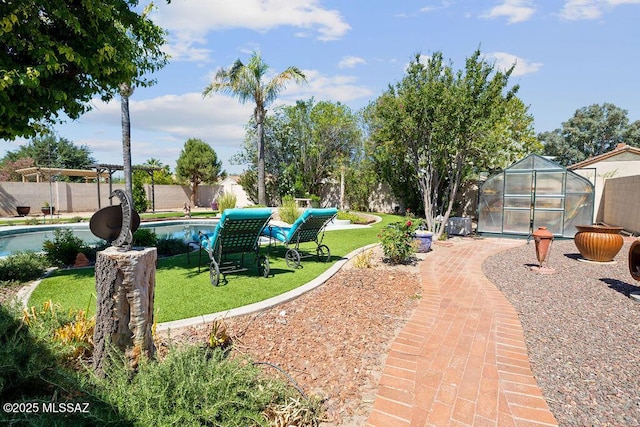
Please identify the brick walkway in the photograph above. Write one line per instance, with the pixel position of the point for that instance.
(461, 360)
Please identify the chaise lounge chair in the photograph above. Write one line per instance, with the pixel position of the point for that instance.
(238, 232)
(305, 229)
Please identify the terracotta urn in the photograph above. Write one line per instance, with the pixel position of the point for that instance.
(600, 243)
(542, 238)
(634, 260)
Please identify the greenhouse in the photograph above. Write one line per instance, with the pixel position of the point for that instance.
(535, 192)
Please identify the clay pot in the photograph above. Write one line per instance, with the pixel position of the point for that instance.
(46, 210)
(600, 243)
(634, 260)
(543, 238)
(23, 210)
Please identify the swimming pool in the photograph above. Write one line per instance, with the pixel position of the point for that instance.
(31, 238)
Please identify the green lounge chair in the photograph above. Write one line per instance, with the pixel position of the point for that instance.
(306, 228)
(238, 232)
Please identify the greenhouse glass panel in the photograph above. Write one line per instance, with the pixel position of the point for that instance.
(518, 183)
(549, 183)
(578, 184)
(579, 211)
(516, 221)
(549, 202)
(550, 219)
(517, 202)
(490, 207)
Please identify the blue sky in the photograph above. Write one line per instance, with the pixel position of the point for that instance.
(568, 54)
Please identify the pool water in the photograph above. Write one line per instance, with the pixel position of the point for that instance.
(15, 239)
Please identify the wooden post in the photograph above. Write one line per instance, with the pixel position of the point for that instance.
(125, 284)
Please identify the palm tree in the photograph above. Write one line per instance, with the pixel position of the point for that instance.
(125, 92)
(246, 83)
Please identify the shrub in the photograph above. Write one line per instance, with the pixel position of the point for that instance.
(353, 217)
(397, 241)
(364, 260)
(145, 237)
(22, 267)
(93, 250)
(289, 210)
(192, 386)
(169, 246)
(26, 362)
(64, 247)
(226, 201)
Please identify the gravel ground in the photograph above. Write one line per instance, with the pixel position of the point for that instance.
(582, 331)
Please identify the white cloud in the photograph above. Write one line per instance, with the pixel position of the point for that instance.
(574, 10)
(327, 88)
(181, 116)
(160, 126)
(189, 21)
(504, 61)
(351, 61)
(515, 10)
(443, 5)
(581, 9)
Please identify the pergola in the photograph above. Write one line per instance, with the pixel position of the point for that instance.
(109, 170)
(44, 174)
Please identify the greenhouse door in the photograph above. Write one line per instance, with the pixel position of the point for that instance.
(533, 199)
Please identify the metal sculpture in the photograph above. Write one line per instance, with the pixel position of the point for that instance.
(116, 224)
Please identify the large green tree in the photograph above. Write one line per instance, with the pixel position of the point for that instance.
(198, 164)
(248, 82)
(49, 150)
(306, 143)
(592, 130)
(437, 126)
(55, 56)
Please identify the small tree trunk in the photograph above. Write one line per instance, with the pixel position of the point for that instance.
(262, 187)
(194, 193)
(125, 285)
(342, 187)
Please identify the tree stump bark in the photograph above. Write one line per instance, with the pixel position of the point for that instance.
(125, 285)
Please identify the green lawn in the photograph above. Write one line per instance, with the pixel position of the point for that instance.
(182, 292)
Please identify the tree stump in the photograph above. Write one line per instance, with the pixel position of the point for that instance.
(125, 284)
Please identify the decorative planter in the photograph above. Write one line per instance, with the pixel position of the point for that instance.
(634, 260)
(23, 210)
(423, 240)
(46, 210)
(600, 243)
(542, 238)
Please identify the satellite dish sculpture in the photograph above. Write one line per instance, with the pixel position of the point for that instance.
(116, 224)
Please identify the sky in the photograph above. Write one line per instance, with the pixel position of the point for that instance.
(568, 54)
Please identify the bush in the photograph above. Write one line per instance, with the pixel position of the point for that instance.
(226, 201)
(397, 240)
(192, 386)
(92, 251)
(64, 248)
(169, 246)
(353, 217)
(288, 210)
(22, 267)
(145, 237)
